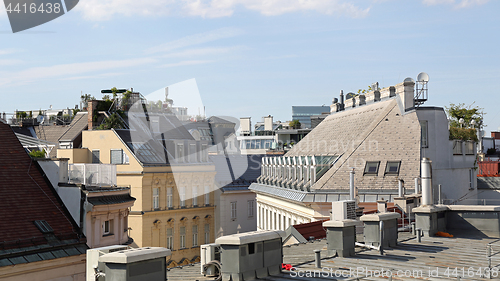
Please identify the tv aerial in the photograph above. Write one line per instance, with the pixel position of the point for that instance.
(421, 94)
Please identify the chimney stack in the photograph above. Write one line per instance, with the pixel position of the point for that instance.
(341, 99)
(426, 170)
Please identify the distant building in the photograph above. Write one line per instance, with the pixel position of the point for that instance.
(39, 239)
(304, 113)
(89, 191)
(383, 135)
(170, 175)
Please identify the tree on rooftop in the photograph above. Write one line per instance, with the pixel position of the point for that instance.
(468, 113)
(295, 124)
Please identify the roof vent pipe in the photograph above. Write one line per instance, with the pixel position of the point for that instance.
(417, 190)
(341, 99)
(426, 168)
(401, 191)
(351, 185)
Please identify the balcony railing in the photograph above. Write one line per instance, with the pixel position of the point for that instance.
(92, 174)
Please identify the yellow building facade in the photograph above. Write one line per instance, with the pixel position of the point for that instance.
(174, 205)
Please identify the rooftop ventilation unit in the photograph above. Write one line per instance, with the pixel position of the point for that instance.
(93, 265)
(251, 255)
(344, 210)
(136, 264)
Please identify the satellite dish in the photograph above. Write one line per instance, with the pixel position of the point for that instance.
(423, 77)
(40, 119)
(409, 79)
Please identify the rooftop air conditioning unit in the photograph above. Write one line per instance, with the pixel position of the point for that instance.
(136, 264)
(93, 265)
(209, 253)
(344, 210)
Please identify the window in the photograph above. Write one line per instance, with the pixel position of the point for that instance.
(195, 196)
(170, 198)
(392, 167)
(469, 148)
(204, 153)
(233, 210)
(96, 156)
(207, 233)
(207, 195)
(471, 178)
(118, 156)
(183, 237)
(371, 168)
(250, 208)
(107, 228)
(457, 147)
(424, 134)
(156, 198)
(195, 236)
(182, 196)
(170, 238)
(179, 153)
(192, 153)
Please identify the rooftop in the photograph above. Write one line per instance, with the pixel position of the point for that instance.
(410, 257)
(28, 198)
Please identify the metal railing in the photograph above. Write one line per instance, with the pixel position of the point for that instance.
(92, 174)
(484, 202)
(492, 254)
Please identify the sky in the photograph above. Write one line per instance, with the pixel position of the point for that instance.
(253, 58)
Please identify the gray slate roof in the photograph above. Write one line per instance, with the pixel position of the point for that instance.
(488, 182)
(77, 125)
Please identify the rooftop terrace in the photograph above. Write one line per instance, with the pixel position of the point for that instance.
(434, 258)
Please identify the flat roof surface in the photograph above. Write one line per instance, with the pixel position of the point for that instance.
(432, 253)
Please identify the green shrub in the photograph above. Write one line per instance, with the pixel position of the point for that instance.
(463, 134)
(37, 153)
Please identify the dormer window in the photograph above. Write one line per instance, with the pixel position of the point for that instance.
(392, 167)
(371, 167)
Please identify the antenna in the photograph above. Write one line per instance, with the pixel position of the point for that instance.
(421, 94)
(40, 119)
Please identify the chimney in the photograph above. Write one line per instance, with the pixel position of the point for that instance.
(91, 105)
(341, 100)
(268, 123)
(401, 190)
(361, 99)
(382, 206)
(406, 91)
(63, 170)
(246, 126)
(426, 170)
(351, 185)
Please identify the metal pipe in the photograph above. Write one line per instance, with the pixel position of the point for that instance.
(366, 246)
(317, 258)
(417, 191)
(401, 192)
(426, 170)
(439, 194)
(413, 229)
(419, 235)
(341, 99)
(381, 224)
(351, 185)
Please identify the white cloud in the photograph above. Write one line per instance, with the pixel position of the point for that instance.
(185, 63)
(6, 62)
(457, 4)
(65, 70)
(196, 39)
(106, 9)
(7, 51)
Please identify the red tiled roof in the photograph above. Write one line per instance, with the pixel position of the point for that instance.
(311, 229)
(26, 196)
